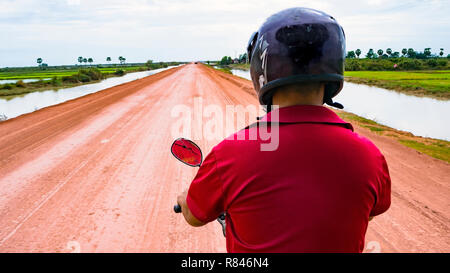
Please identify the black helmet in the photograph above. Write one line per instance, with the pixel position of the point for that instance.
(297, 45)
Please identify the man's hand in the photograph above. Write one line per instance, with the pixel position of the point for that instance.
(190, 218)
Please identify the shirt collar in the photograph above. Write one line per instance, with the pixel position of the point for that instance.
(305, 114)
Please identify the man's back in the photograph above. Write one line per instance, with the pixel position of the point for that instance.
(314, 193)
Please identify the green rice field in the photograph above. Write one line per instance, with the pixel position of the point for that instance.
(433, 83)
(42, 74)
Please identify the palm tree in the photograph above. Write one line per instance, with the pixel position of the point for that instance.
(90, 60)
(351, 54)
(427, 52)
(442, 52)
(380, 52)
(80, 60)
(358, 52)
(411, 53)
(121, 59)
(108, 59)
(39, 61)
(404, 51)
(389, 51)
(370, 54)
(85, 60)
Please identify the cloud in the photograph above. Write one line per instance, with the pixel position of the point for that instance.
(61, 30)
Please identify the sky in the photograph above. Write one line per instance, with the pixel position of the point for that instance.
(58, 31)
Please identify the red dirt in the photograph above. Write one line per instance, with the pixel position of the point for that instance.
(95, 174)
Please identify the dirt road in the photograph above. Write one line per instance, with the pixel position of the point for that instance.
(95, 174)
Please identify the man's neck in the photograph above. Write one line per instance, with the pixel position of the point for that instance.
(290, 97)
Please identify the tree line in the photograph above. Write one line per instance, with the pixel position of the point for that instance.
(405, 53)
(82, 60)
(226, 60)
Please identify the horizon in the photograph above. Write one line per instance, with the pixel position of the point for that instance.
(60, 31)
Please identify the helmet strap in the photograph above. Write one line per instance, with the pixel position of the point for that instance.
(328, 95)
(330, 102)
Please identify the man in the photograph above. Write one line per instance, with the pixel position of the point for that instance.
(318, 189)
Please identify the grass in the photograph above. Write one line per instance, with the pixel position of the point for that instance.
(436, 148)
(439, 150)
(240, 66)
(42, 74)
(225, 69)
(59, 77)
(431, 83)
(82, 76)
(375, 129)
(34, 87)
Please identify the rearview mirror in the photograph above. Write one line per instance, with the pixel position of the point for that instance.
(187, 152)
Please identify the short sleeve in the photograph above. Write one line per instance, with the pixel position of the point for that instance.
(383, 200)
(205, 195)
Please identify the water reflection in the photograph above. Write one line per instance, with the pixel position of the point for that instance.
(241, 73)
(22, 104)
(24, 80)
(419, 115)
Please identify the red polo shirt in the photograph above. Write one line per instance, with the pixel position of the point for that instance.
(314, 193)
